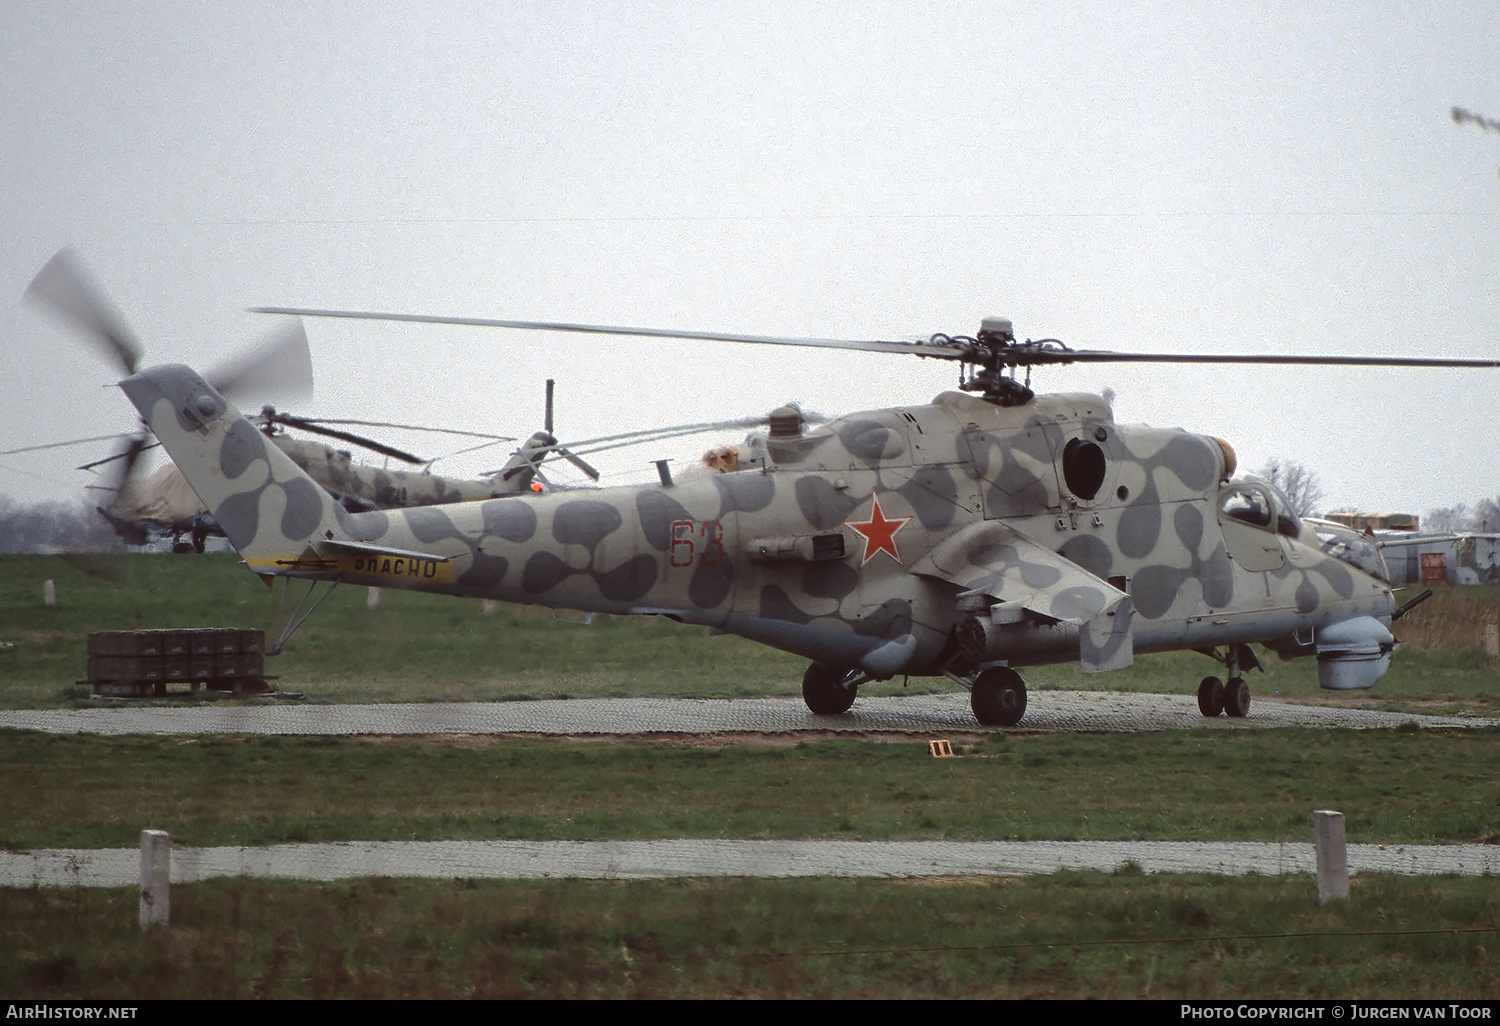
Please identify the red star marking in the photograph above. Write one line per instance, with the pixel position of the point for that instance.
(879, 532)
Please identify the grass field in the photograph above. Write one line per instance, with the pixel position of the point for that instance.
(1394, 787)
(1066, 935)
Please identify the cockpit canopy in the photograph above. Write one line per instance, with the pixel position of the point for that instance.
(1349, 546)
(1259, 504)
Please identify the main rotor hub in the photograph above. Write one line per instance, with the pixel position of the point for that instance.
(998, 328)
(786, 422)
(991, 352)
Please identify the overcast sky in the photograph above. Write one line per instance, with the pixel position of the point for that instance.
(1204, 177)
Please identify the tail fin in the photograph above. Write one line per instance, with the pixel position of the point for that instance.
(271, 511)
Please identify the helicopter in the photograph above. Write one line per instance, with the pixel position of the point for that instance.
(364, 488)
(990, 529)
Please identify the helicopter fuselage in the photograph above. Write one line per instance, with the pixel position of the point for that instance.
(821, 543)
(918, 540)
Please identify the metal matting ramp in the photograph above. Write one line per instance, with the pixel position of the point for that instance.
(1091, 711)
(643, 860)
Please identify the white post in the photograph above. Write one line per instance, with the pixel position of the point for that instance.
(49, 593)
(156, 878)
(372, 600)
(1333, 856)
(1492, 639)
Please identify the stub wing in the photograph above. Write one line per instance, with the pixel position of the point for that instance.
(993, 560)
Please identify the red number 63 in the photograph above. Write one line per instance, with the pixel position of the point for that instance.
(683, 549)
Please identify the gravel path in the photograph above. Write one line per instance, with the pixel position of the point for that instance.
(637, 860)
(1091, 711)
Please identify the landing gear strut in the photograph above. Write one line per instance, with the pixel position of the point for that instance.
(829, 691)
(1231, 697)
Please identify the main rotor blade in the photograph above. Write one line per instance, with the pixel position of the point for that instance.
(67, 289)
(366, 443)
(1101, 356)
(937, 350)
(1015, 354)
(64, 445)
(580, 463)
(278, 366)
(629, 438)
(129, 456)
(408, 427)
(131, 452)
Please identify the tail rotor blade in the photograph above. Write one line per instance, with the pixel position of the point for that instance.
(132, 456)
(65, 288)
(130, 452)
(345, 436)
(120, 475)
(278, 366)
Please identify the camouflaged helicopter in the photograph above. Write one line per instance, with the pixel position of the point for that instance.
(988, 530)
(363, 488)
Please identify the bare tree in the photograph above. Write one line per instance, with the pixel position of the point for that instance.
(1483, 516)
(1298, 483)
(53, 527)
(1487, 517)
(1454, 519)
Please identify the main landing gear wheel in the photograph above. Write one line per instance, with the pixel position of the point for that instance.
(1211, 696)
(1237, 697)
(999, 697)
(824, 690)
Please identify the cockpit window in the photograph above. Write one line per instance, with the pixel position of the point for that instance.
(1286, 521)
(1261, 505)
(1351, 547)
(1248, 505)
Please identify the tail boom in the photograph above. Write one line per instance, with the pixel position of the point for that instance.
(272, 512)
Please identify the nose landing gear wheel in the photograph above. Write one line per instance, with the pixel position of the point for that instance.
(1211, 696)
(824, 690)
(999, 697)
(1237, 697)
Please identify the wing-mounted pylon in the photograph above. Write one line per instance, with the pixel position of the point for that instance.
(1003, 575)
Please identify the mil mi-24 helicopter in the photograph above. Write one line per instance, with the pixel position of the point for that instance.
(988, 530)
(362, 488)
